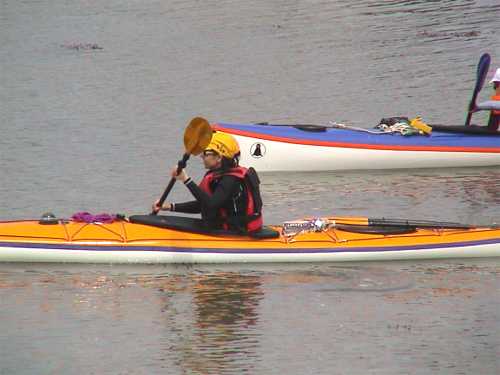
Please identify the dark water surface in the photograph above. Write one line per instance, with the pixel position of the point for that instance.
(94, 98)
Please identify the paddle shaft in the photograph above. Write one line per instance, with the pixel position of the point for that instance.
(471, 108)
(180, 166)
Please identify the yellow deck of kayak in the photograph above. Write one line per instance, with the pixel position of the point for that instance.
(23, 240)
(128, 234)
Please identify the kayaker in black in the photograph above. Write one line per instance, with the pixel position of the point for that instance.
(228, 197)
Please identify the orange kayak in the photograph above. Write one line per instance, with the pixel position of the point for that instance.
(161, 239)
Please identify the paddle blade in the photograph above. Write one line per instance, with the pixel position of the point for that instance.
(482, 71)
(197, 136)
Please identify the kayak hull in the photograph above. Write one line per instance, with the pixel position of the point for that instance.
(125, 242)
(282, 148)
(152, 255)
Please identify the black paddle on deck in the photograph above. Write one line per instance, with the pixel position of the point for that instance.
(417, 223)
(400, 223)
(482, 70)
(197, 136)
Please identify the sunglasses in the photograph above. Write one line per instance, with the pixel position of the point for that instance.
(209, 152)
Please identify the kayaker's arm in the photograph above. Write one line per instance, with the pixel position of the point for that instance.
(223, 192)
(192, 207)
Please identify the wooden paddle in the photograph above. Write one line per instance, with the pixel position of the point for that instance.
(197, 136)
(482, 70)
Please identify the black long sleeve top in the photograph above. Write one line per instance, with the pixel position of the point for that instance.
(226, 192)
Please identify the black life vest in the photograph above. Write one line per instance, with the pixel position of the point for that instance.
(252, 219)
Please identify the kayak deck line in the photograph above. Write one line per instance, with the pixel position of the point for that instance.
(69, 237)
(329, 237)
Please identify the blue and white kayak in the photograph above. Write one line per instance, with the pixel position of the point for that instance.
(268, 147)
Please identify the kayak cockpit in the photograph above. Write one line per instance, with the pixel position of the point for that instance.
(193, 225)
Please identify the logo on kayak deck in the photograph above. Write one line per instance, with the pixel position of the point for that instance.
(258, 150)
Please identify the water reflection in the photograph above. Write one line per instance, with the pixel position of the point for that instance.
(223, 337)
(237, 319)
(205, 322)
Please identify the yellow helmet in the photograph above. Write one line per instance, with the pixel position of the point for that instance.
(224, 144)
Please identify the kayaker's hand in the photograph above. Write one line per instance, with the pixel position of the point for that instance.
(182, 176)
(156, 206)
